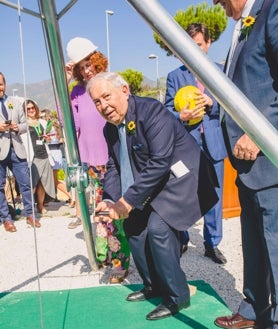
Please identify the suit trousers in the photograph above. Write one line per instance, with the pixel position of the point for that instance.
(156, 253)
(20, 170)
(259, 225)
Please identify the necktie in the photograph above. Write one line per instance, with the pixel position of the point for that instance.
(200, 86)
(4, 110)
(126, 172)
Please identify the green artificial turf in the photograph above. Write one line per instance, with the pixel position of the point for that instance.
(104, 307)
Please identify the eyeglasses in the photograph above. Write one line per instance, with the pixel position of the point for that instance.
(30, 108)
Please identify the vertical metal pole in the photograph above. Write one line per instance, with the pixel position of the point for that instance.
(107, 13)
(53, 40)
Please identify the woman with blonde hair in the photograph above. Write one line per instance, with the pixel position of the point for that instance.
(42, 174)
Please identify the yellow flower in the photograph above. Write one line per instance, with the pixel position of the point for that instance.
(248, 21)
(131, 126)
(10, 106)
(247, 25)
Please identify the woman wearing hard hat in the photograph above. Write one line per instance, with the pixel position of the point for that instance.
(85, 62)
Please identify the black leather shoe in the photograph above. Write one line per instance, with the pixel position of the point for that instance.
(216, 255)
(165, 310)
(143, 294)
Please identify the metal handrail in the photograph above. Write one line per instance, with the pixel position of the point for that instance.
(259, 129)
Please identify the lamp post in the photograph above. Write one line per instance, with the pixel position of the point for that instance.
(153, 56)
(107, 13)
(14, 90)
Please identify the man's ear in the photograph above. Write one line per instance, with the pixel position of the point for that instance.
(209, 42)
(125, 89)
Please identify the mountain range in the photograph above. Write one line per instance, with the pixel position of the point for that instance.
(43, 92)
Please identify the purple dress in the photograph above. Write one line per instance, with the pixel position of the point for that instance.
(89, 126)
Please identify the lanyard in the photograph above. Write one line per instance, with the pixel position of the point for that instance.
(38, 129)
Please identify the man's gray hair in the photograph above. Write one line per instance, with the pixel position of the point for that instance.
(116, 79)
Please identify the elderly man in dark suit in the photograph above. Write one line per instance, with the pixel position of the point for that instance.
(13, 156)
(253, 67)
(170, 176)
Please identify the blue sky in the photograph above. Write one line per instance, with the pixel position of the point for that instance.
(131, 38)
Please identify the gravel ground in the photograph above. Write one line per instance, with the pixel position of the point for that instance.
(55, 258)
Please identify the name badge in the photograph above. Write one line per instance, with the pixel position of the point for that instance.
(39, 142)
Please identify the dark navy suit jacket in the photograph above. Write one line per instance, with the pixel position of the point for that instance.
(159, 142)
(254, 70)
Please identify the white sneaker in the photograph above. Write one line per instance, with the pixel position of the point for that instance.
(75, 222)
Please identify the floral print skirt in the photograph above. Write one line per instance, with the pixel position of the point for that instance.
(112, 248)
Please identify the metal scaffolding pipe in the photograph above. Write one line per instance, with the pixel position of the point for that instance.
(53, 42)
(225, 92)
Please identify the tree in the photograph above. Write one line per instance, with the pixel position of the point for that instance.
(134, 79)
(213, 17)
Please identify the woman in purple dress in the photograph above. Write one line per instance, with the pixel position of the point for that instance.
(86, 62)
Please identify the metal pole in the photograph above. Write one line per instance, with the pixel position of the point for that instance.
(107, 13)
(78, 178)
(153, 56)
(222, 88)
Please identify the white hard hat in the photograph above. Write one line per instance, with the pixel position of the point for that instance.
(79, 48)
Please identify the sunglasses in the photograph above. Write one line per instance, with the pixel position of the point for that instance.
(30, 108)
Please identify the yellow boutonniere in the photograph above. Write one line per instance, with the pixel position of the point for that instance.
(10, 106)
(131, 126)
(247, 25)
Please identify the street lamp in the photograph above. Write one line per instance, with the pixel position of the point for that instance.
(108, 12)
(153, 56)
(14, 90)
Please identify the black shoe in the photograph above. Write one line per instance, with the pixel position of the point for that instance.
(143, 294)
(216, 255)
(164, 310)
(183, 249)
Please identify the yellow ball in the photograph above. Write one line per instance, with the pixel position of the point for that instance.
(185, 96)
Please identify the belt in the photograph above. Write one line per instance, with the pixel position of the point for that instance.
(54, 146)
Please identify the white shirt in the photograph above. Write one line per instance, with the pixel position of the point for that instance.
(237, 29)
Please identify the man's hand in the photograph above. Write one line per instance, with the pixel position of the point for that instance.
(14, 126)
(4, 127)
(246, 149)
(120, 210)
(115, 211)
(103, 207)
(201, 101)
(195, 113)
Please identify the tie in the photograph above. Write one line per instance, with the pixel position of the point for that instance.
(4, 110)
(200, 86)
(126, 172)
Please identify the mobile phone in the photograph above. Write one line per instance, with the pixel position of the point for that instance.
(8, 122)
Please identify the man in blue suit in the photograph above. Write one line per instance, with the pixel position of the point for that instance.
(208, 134)
(170, 177)
(254, 70)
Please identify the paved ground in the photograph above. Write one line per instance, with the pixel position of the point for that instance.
(55, 258)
